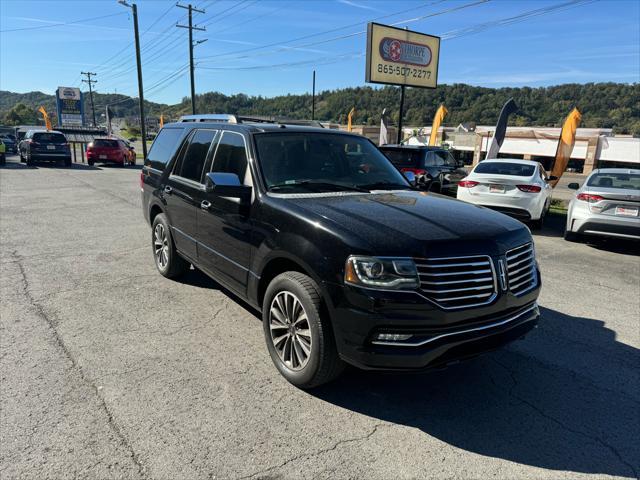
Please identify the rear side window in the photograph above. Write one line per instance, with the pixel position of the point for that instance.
(404, 158)
(231, 155)
(505, 168)
(627, 181)
(49, 138)
(163, 148)
(105, 143)
(192, 162)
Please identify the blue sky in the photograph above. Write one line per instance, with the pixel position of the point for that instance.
(255, 46)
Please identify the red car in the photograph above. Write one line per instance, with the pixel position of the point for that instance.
(109, 150)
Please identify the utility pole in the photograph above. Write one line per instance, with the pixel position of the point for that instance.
(191, 28)
(313, 97)
(143, 126)
(91, 82)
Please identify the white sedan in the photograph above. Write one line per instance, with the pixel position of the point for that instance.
(519, 188)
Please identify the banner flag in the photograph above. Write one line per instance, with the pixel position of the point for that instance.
(565, 145)
(161, 120)
(47, 120)
(437, 120)
(501, 128)
(384, 128)
(352, 112)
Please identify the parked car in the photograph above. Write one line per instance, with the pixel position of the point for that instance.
(519, 188)
(9, 143)
(3, 153)
(109, 150)
(435, 168)
(347, 262)
(607, 205)
(46, 145)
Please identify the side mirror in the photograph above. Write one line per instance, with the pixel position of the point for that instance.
(574, 186)
(553, 178)
(410, 176)
(222, 184)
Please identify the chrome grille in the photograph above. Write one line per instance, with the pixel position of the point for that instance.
(457, 282)
(521, 269)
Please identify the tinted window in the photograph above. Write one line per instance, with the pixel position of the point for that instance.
(505, 168)
(627, 181)
(164, 147)
(438, 158)
(49, 137)
(231, 155)
(404, 158)
(318, 162)
(105, 143)
(192, 162)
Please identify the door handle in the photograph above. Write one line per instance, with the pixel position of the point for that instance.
(205, 204)
(168, 190)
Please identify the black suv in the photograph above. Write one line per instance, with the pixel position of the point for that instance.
(346, 261)
(44, 145)
(434, 168)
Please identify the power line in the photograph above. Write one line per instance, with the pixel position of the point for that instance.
(191, 27)
(73, 22)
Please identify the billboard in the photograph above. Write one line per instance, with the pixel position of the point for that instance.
(70, 107)
(401, 57)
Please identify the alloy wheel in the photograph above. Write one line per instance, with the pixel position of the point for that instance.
(290, 330)
(161, 246)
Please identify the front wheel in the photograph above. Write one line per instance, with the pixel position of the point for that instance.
(298, 333)
(168, 262)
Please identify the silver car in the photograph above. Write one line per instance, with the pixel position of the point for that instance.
(608, 205)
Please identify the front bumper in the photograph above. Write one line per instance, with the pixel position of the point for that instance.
(438, 337)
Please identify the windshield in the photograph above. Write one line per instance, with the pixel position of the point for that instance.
(505, 168)
(627, 181)
(319, 162)
(49, 138)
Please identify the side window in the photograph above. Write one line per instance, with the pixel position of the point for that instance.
(231, 155)
(163, 148)
(192, 163)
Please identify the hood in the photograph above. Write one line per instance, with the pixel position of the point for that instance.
(410, 223)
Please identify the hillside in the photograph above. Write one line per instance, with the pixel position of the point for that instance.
(605, 105)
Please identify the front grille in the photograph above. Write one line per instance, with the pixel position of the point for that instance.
(521, 269)
(457, 282)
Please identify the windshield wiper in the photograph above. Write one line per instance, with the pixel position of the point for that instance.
(317, 186)
(384, 185)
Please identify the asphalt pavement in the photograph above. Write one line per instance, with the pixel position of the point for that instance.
(108, 370)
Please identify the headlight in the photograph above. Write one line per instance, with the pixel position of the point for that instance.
(381, 272)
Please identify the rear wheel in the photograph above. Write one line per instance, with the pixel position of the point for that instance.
(67, 162)
(29, 161)
(298, 333)
(572, 236)
(90, 163)
(3, 159)
(168, 262)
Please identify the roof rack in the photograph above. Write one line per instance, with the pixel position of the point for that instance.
(229, 118)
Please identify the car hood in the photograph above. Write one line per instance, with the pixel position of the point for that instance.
(413, 223)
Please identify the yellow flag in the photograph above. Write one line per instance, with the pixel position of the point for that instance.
(565, 144)
(352, 112)
(44, 113)
(161, 121)
(437, 120)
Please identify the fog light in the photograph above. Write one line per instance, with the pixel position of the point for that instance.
(393, 337)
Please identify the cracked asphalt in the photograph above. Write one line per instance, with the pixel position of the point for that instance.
(108, 370)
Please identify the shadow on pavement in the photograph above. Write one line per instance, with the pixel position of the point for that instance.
(569, 402)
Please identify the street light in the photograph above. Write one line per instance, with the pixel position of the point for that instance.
(143, 129)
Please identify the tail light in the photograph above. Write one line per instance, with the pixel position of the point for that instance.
(587, 197)
(467, 183)
(416, 171)
(529, 188)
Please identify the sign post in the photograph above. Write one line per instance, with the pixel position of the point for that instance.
(397, 56)
(70, 107)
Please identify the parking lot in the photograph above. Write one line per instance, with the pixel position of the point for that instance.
(109, 370)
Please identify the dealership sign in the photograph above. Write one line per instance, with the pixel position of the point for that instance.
(401, 57)
(70, 107)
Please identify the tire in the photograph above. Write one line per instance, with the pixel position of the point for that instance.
(322, 363)
(3, 159)
(435, 187)
(168, 262)
(90, 163)
(22, 159)
(572, 236)
(538, 224)
(29, 161)
(67, 162)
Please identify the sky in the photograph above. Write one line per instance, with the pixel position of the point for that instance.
(271, 47)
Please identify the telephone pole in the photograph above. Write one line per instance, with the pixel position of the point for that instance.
(91, 82)
(143, 126)
(191, 28)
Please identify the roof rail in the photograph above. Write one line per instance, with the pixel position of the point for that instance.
(229, 118)
(210, 117)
